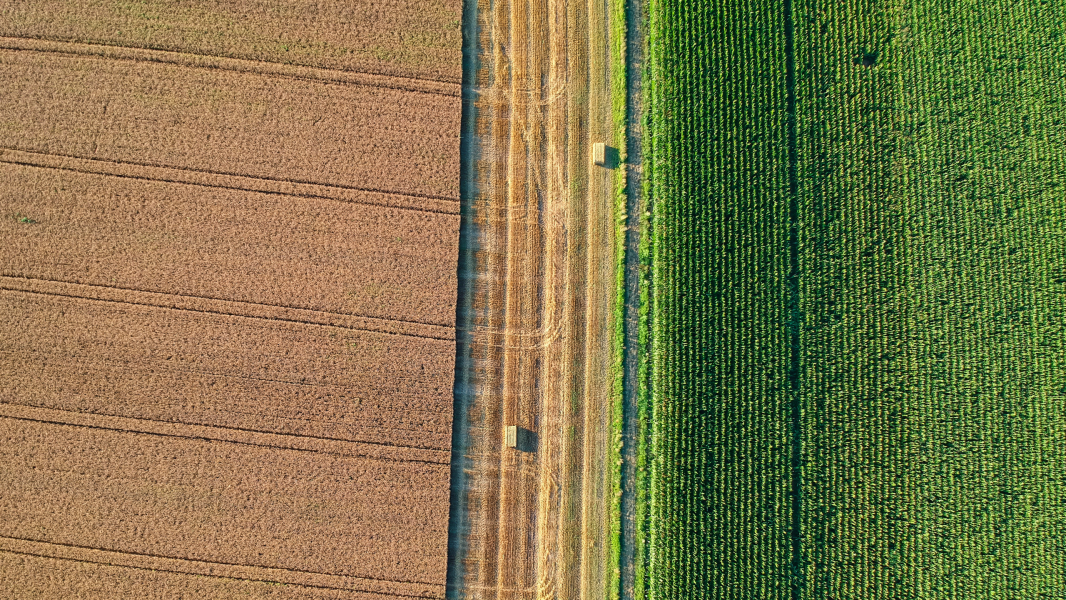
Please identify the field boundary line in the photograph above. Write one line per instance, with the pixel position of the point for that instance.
(381, 451)
(221, 570)
(232, 65)
(229, 308)
(230, 181)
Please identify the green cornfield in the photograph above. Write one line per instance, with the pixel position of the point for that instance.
(856, 352)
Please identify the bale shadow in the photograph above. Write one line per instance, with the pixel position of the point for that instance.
(612, 158)
(527, 440)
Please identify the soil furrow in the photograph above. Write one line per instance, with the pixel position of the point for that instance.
(303, 586)
(181, 559)
(227, 286)
(28, 574)
(376, 262)
(214, 431)
(140, 362)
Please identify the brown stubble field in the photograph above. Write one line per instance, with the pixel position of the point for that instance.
(138, 112)
(227, 298)
(218, 242)
(536, 307)
(203, 500)
(393, 37)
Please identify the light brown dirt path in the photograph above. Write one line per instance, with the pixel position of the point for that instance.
(537, 293)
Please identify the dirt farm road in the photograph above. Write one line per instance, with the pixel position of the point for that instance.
(537, 287)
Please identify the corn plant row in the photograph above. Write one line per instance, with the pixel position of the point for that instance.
(918, 256)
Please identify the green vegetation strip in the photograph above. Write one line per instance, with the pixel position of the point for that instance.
(617, 40)
(919, 258)
(717, 167)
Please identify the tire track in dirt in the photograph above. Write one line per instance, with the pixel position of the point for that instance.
(228, 181)
(211, 439)
(383, 451)
(385, 523)
(305, 586)
(207, 426)
(219, 63)
(223, 306)
(169, 564)
(290, 382)
(446, 209)
(207, 306)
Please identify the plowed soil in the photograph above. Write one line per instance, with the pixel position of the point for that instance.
(397, 37)
(227, 298)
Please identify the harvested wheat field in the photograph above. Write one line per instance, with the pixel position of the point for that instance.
(390, 37)
(227, 298)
